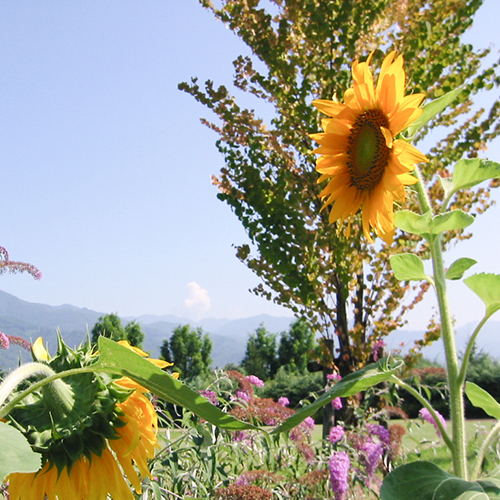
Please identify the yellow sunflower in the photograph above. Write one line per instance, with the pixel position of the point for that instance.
(110, 430)
(367, 167)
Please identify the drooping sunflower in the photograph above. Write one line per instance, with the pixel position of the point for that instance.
(92, 430)
(366, 165)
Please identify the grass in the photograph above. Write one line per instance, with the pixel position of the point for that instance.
(422, 443)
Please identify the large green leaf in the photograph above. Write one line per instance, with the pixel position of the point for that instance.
(427, 481)
(129, 364)
(407, 266)
(16, 454)
(351, 384)
(487, 287)
(469, 173)
(482, 399)
(431, 109)
(427, 225)
(458, 268)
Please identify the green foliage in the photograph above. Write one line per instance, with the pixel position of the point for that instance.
(426, 481)
(120, 360)
(189, 349)
(428, 225)
(295, 346)
(110, 326)
(431, 382)
(407, 266)
(296, 386)
(458, 268)
(260, 355)
(361, 380)
(483, 371)
(487, 287)
(16, 454)
(480, 398)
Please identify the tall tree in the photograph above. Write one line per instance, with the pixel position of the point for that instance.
(295, 346)
(304, 50)
(134, 334)
(189, 349)
(260, 355)
(109, 326)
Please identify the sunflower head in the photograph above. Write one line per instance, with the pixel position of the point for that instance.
(85, 426)
(366, 165)
(74, 416)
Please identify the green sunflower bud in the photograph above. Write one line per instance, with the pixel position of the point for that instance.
(58, 398)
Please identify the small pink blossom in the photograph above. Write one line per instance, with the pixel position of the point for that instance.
(378, 349)
(256, 381)
(239, 436)
(334, 377)
(243, 395)
(283, 401)
(309, 423)
(211, 396)
(337, 403)
(4, 341)
(425, 414)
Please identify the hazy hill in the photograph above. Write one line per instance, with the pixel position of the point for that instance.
(229, 337)
(29, 321)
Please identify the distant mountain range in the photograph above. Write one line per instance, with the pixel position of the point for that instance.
(229, 337)
(29, 321)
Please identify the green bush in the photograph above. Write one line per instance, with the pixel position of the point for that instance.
(294, 385)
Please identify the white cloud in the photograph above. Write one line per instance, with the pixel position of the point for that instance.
(198, 299)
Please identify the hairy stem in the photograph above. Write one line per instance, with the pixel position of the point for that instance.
(459, 458)
(49, 378)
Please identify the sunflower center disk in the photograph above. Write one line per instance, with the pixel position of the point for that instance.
(368, 154)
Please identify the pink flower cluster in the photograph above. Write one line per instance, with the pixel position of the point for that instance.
(7, 340)
(4, 341)
(283, 401)
(337, 404)
(336, 434)
(256, 381)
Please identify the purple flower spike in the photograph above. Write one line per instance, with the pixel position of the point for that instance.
(339, 473)
(372, 454)
(381, 432)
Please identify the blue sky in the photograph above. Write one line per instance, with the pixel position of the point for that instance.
(106, 168)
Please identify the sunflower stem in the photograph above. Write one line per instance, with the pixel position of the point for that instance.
(455, 382)
(50, 376)
(19, 375)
